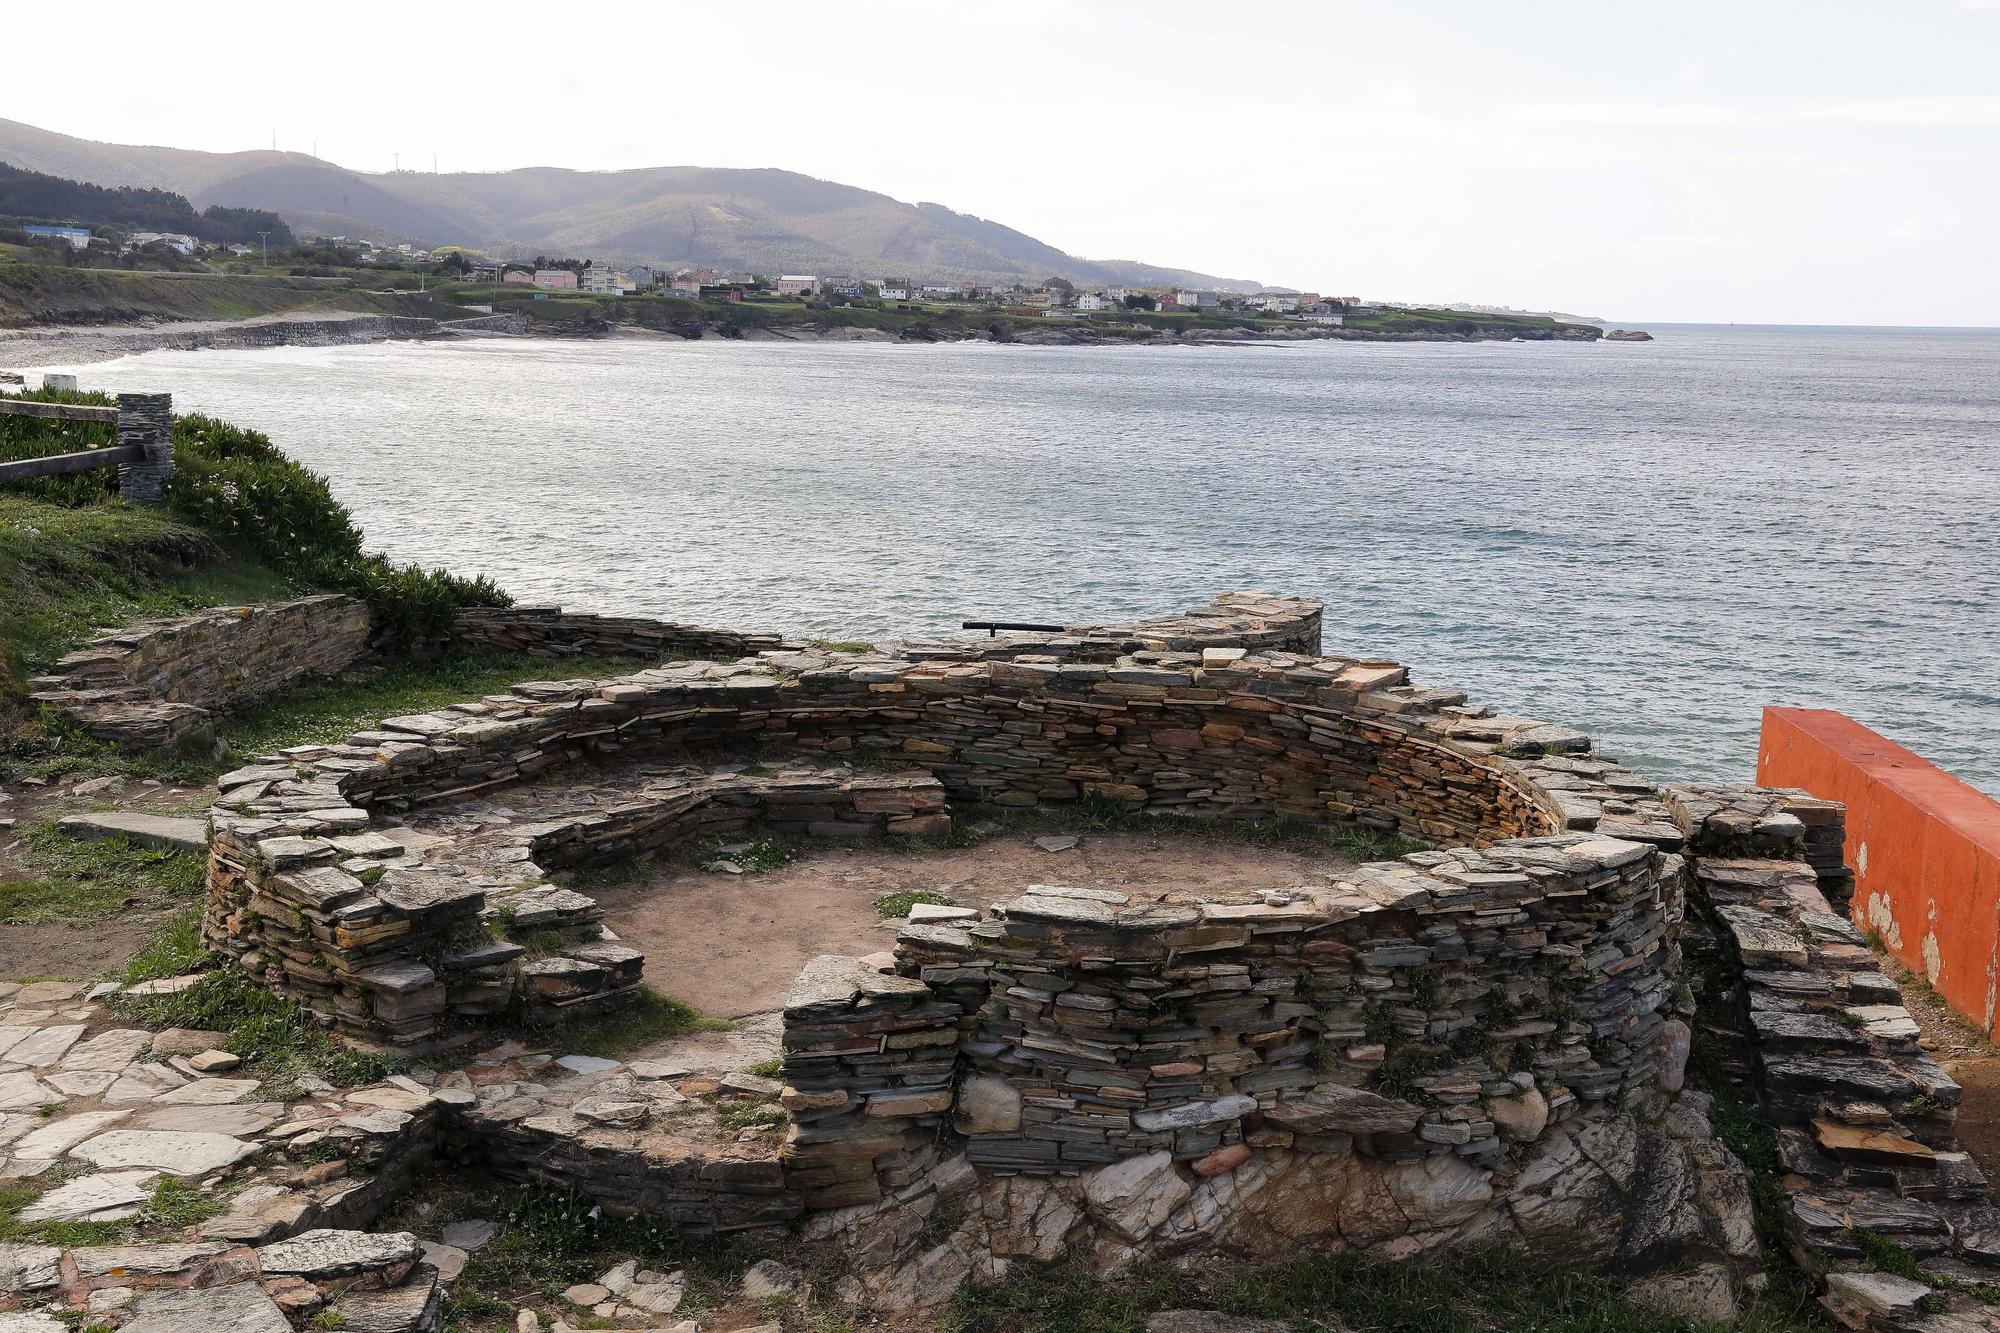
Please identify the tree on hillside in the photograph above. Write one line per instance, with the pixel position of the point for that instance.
(1059, 285)
(1140, 301)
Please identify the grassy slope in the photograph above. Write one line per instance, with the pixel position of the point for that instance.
(64, 573)
(32, 294)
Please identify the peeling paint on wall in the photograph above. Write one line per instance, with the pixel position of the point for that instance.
(1882, 916)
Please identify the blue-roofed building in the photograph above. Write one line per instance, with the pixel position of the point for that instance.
(78, 237)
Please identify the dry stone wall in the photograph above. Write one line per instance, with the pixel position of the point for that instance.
(547, 631)
(1820, 1037)
(1449, 1003)
(391, 939)
(159, 682)
(305, 892)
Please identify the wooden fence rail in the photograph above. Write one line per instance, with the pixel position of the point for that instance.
(21, 407)
(144, 454)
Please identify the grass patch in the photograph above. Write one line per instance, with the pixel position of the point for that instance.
(177, 1204)
(174, 950)
(762, 856)
(320, 714)
(548, 1241)
(650, 1018)
(1482, 1292)
(15, 1198)
(734, 1116)
(279, 1042)
(82, 881)
(891, 905)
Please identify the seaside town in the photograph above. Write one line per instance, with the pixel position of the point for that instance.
(1056, 298)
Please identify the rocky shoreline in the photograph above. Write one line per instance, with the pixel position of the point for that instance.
(82, 345)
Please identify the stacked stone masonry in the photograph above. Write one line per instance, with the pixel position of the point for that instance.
(548, 631)
(1823, 1041)
(156, 683)
(394, 938)
(1469, 1030)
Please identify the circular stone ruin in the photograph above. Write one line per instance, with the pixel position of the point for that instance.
(1473, 1045)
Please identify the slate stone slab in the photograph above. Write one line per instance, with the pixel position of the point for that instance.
(324, 1253)
(243, 1308)
(142, 830)
(178, 1151)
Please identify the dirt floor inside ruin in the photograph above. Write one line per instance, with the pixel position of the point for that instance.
(730, 944)
(70, 950)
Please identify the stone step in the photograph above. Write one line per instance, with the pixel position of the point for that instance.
(142, 830)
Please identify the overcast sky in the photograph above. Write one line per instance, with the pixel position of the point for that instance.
(1832, 161)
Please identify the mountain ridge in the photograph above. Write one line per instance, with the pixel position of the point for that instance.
(760, 219)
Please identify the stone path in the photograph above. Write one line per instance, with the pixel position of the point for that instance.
(95, 1114)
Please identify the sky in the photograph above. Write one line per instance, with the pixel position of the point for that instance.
(1758, 161)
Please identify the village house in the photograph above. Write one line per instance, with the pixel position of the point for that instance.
(893, 289)
(1089, 301)
(78, 237)
(520, 277)
(639, 277)
(555, 279)
(798, 284)
(178, 242)
(603, 280)
(845, 287)
(1185, 300)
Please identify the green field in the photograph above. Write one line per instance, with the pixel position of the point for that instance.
(39, 294)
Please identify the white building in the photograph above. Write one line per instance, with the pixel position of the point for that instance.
(604, 280)
(1197, 300)
(1089, 301)
(173, 240)
(798, 284)
(893, 289)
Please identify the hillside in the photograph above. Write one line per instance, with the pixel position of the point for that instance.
(763, 220)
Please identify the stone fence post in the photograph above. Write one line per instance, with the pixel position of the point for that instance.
(145, 421)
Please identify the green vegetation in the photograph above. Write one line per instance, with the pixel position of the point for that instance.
(548, 1241)
(335, 711)
(649, 1018)
(173, 950)
(34, 195)
(244, 523)
(740, 1115)
(919, 321)
(47, 294)
(279, 1043)
(80, 882)
(1483, 1292)
(176, 1204)
(765, 854)
(1458, 323)
(892, 905)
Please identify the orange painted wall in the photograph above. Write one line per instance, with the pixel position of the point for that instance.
(1925, 848)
